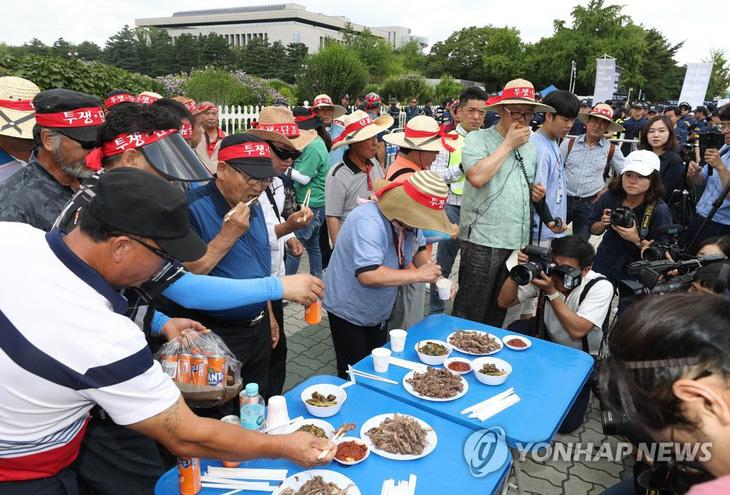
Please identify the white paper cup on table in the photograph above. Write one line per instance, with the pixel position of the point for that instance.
(381, 359)
(277, 413)
(398, 340)
(444, 288)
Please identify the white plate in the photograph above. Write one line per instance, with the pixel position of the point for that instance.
(328, 429)
(375, 421)
(296, 481)
(410, 390)
(448, 339)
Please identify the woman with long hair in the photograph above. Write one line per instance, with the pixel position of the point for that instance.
(636, 195)
(658, 136)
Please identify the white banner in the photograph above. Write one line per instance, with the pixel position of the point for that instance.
(695, 84)
(605, 80)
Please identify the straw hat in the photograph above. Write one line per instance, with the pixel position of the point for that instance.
(423, 133)
(325, 101)
(17, 116)
(359, 126)
(603, 112)
(148, 97)
(417, 202)
(277, 124)
(518, 92)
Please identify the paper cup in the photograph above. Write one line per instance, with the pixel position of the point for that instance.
(381, 359)
(277, 413)
(444, 288)
(398, 339)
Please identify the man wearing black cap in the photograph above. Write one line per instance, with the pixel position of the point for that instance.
(69, 346)
(684, 114)
(244, 171)
(65, 132)
(633, 125)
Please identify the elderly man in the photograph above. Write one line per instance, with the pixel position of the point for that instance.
(52, 379)
(588, 160)
(17, 118)
(207, 149)
(352, 180)
(500, 164)
(65, 132)
(377, 243)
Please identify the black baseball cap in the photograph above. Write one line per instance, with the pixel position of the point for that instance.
(135, 202)
(59, 101)
(305, 119)
(249, 154)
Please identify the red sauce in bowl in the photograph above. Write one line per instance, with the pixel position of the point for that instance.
(459, 366)
(516, 343)
(351, 451)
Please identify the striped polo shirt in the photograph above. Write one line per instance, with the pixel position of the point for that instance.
(65, 345)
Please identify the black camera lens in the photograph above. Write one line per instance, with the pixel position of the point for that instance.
(613, 422)
(523, 274)
(653, 253)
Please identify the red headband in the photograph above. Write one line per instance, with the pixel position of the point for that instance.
(22, 105)
(117, 99)
(604, 112)
(522, 93)
(205, 107)
(290, 130)
(252, 149)
(413, 133)
(304, 118)
(121, 143)
(80, 117)
(420, 197)
(186, 129)
(323, 101)
(146, 99)
(191, 106)
(355, 126)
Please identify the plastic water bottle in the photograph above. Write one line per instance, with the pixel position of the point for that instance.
(253, 409)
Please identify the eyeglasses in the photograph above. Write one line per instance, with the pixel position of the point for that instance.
(251, 181)
(159, 252)
(520, 115)
(284, 154)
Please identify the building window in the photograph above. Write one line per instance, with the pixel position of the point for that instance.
(296, 37)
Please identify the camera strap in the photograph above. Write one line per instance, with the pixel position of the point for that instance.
(581, 298)
(518, 157)
(646, 220)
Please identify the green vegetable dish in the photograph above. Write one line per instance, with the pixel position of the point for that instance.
(433, 349)
(491, 370)
(314, 430)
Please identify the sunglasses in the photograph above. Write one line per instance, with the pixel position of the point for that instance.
(285, 154)
(87, 145)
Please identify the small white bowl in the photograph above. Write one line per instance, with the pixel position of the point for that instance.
(461, 360)
(433, 360)
(324, 389)
(329, 430)
(352, 439)
(477, 364)
(527, 341)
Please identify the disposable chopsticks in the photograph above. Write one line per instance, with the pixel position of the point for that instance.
(352, 371)
(491, 400)
(278, 427)
(235, 208)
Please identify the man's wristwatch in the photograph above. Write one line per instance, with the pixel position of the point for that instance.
(553, 296)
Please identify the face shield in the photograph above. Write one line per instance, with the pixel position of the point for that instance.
(174, 160)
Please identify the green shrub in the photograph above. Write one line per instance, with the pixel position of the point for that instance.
(404, 87)
(335, 70)
(447, 88)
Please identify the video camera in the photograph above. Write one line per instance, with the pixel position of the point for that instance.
(674, 247)
(711, 139)
(650, 273)
(540, 260)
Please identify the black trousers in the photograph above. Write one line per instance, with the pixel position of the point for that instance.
(353, 342)
(277, 363)
(63, 483)
(481, 275)
(113, 456)
(324, 244)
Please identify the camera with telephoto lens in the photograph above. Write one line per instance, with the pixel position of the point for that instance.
(622, 217)
(540, 260)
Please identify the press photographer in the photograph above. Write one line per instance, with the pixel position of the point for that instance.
(668, 371)
(630, 214)
(577, 301)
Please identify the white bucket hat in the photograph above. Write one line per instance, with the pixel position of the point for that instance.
(325, 101)
(423, 133)
(17, 115)
(359, 126)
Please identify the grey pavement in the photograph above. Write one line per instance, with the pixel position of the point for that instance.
(311, 353)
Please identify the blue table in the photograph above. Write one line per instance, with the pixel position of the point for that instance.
(547, 377)
(442, 471)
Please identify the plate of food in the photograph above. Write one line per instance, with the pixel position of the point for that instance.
(316, 481)
(475, 342)
(317, 427)
(436, 384)
(398, 436)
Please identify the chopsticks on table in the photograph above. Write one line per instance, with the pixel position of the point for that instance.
(239, 479)
(235, 208)
(402, 488)
(489, 407)
(353, 373)
(278, 427)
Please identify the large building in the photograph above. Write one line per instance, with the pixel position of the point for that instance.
(287, 23)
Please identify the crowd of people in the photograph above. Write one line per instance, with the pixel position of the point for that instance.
(137, 218)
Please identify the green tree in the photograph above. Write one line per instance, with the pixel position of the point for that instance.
(377, 55)
(62, 48)
(186, 54)
(335, 70)
(404, 87)
(214, 51)
(659, 68)
(35, 47)
(254, 57)
(296, 54)
(89, 51)
(720, 76)
(411, 57)
(125, 50)
(447, 88)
